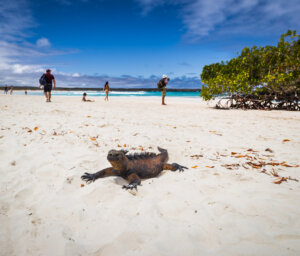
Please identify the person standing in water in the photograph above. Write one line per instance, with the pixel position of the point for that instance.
(162, 84)
(48, 87)
(106, 89)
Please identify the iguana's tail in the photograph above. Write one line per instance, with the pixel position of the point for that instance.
(161, 150)
(163, 154)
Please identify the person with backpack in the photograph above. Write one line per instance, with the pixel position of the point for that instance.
(162, 84)
(46, 80)
(5, 89)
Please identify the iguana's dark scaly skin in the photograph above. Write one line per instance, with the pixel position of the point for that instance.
(135, 167)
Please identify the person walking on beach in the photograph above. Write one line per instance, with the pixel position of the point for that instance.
(48, 86)
(106, 89)
(162, 84)
(11, 90)
(5, 89)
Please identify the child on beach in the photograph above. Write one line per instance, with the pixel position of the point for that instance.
(84, 99)
(106, 89)
(162, 85)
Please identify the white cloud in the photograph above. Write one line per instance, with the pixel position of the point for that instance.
(248, 17)
(43, 42)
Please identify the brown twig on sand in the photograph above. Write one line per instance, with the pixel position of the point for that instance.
(274, 173)
(290, 178)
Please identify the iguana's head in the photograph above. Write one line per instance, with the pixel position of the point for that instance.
(117, 158)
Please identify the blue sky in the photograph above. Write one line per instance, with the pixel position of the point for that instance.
(132, 43)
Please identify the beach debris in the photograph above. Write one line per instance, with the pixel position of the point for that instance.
(240, 156)
(216, 133)
(265, 172)
(119, 146)
(135, 134)
(231, 166)
(54, 133)
(36, 128)
(274, 173)
(269, 150)
(88, 116)
(254, 161)
(26, 128)
(281, 179)
(81, 185)
(245, 166)
(125, 145)
(252, 150)
(86, 125)
(141, 148)
(188, 141)
(254, 165)
(197, 156)
(92, 138)
(290, 178)
(268, 155)
(287, 165)
(207, 166)
(286, 140)
(195, 166)
(13, 163)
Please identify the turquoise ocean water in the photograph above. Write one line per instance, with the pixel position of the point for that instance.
(113, 94)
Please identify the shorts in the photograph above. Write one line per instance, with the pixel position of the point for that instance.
(48, 88)
(164, 91)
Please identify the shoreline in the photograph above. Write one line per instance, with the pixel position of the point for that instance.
(21, 88)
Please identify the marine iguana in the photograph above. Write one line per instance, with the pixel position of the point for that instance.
(135, 167)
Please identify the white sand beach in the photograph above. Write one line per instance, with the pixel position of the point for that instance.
(211, 209)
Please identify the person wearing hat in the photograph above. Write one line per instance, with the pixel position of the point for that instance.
(162, 85)
(48, 87)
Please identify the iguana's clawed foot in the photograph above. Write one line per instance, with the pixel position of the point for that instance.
(180, 168)
(130, 186)
(88, 177)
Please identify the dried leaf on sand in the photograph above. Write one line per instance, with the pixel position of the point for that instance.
(281, 179)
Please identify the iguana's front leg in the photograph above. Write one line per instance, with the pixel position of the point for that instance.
(134, 180)
(91, 177)
(174, 167)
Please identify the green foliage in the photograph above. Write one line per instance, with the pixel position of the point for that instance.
(257, 71)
